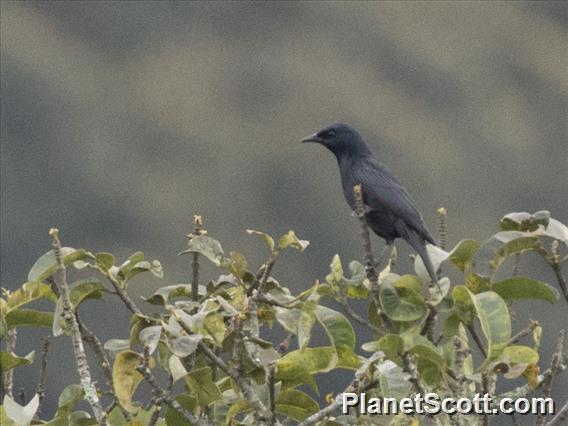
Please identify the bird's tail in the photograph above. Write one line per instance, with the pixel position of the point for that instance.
(418, 244)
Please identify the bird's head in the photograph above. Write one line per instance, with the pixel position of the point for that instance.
(341, 139)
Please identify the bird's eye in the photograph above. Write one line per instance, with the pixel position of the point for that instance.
(327, 134)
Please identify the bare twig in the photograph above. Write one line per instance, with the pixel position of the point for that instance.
(160, 391)
(254, 331)
(525, 332)
(556, 365)
(198, 230)
(262, 414)
(98, 349)
(369, 258)
(78, 349)
(95, 344)
(327, 411)
(561, 417)
(429, 323)
(358, 318)
(442, 228)
(155, 415)
(69, 316)
(476, 339)
(40, 389)
(272, 392)
(242, 382)
(284, 345)
(462, 352)
(555, 263)
(122, 294)
(8, 376)
(263, 274)
(334, 406)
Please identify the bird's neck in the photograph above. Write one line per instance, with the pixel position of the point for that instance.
(351, 156)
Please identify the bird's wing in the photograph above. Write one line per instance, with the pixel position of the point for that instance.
(382, 191)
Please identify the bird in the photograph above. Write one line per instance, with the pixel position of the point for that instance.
(390, 211)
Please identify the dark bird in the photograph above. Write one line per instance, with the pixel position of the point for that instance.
(389, 210)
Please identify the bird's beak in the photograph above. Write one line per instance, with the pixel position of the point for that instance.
(312, 138)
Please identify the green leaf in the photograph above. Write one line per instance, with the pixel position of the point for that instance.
(400, 304)
(89, 288)
(336, 274)
(9, 360)
(4, 419)
(69, 397)
(437, 257)
(439, 295)
(238, 265)
(28, 318)
(476, 283)
(155, 267)
(555, 229)
(525, 288)
(176, 368)
(305, 324)
(291, 240)
(409, 281)
(81, 418)
(517, 358)
(3, 323)
(27, 293)
(299, 367)
(116, 345)
(214, 326)
(463, 253)
(21, 415)
(353, 287)
(495, 322)
(150, 336)
(240, 406)
(201, 383)
(126, 267)
(521, 221)
(207, 246)
(46, 265)
(125, 377)
(537, 224)
(430, 363)
(392, 380)
(173, 417)
(289, 319)
(429, 352)
(393, 346)
(519, 354)
(499, 247)
(373, 315)
(104, 260)
(295, 404)
(184, 345)
(338, 328)
(463, 305)
(163, 295)
(267, 238)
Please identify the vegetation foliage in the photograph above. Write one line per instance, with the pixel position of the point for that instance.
(209, 353)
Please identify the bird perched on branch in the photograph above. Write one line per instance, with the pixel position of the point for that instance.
(389, 210)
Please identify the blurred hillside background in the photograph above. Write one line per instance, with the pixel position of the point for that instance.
(120, 120)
